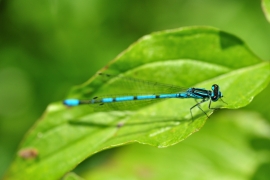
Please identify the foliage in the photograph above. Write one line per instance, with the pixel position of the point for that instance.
(184, 57)
(212, 153)
(266, 8)
(48, 47)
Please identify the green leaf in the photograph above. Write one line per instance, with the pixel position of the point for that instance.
(232, 145)
(187, 57)
(72, 176)
(259, 104)
(266, 9)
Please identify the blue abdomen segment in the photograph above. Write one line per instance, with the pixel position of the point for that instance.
(124, 98)
(71, 102)
(168, 96)
(107, 100)
(141, 97)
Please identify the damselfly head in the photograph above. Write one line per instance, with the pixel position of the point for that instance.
(216, 94)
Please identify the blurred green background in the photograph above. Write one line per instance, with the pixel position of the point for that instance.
(46, 47)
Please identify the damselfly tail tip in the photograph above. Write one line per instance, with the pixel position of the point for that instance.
(71, 102)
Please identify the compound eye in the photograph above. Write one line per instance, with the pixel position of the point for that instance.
(214, 86)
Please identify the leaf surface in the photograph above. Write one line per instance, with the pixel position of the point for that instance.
(187, 57)
(266, 9)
